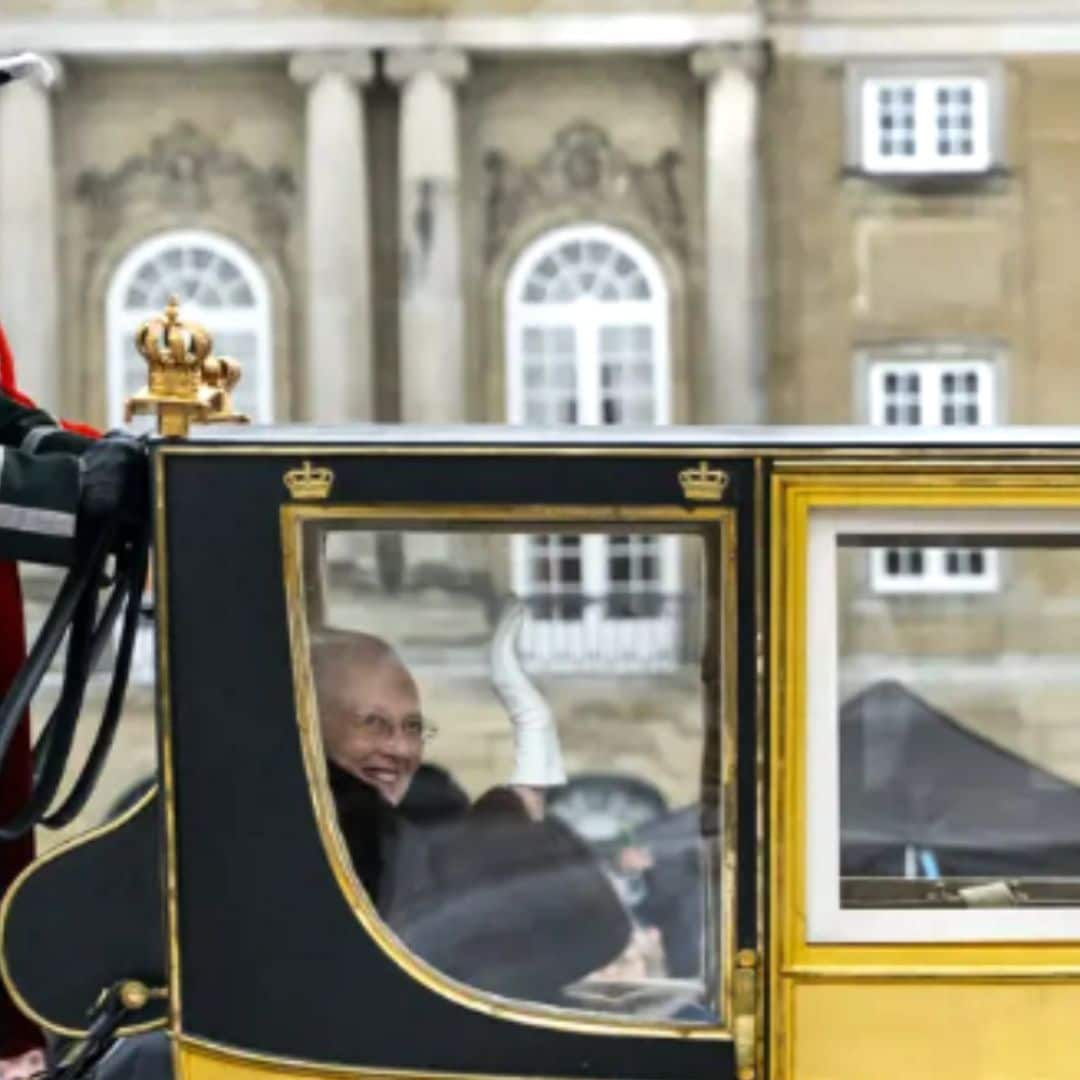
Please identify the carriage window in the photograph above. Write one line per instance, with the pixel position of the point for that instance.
(514, 758)
(947, 732)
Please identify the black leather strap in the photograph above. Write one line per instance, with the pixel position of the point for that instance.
(75, 612)
(128, 587)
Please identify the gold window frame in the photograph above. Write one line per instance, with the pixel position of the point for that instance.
(717, 528)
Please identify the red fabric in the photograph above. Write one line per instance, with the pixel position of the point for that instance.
(17, 1034)
(81, 429)
(7, 365)
(10, 389)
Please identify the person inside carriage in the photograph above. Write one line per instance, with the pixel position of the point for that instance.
(470, 888)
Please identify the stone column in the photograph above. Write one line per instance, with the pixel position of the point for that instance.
(432, 348)
(339, 378)
(732, 386)
(29, 261)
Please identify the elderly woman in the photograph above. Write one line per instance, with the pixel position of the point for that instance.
(493, 894)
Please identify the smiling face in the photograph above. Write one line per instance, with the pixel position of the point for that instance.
(369, 710)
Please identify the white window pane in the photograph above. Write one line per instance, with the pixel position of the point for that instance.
(891, 108)
(626, 375)
(954, 120)
(598, 252)
(961, 397)
(925, 124)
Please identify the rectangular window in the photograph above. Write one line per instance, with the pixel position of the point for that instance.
(925, 124)
(932, 393)
(943, 785)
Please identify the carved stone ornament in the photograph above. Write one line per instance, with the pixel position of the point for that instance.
(582, 170)
(186, 171)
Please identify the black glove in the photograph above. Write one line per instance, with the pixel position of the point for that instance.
(115, 479)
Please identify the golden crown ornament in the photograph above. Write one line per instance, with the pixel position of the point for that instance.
(309, 482)
(702, 484)
(186, 383)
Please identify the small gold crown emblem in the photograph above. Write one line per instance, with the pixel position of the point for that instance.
(309, 482)
(702, 484)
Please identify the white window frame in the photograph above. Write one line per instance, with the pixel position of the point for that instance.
(925, 77)
(587, 315)
(121, 321)
(826, 920)
(554, 643)
(934, 576)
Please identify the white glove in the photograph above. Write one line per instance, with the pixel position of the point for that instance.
(27, 65)
(537, 756)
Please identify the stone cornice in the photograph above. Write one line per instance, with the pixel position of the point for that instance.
(899, 38)
(119, 36)
(993, 31)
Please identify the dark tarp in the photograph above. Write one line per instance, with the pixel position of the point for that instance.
(910, 775)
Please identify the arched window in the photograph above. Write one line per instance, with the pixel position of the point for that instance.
(587, 331)
(219, 285)
(587, 342)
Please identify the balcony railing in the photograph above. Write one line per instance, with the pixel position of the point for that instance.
(635, 632)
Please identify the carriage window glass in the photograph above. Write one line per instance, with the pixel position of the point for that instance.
(511, 736)
(944, 733)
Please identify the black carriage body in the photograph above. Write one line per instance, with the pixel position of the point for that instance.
(268, 956)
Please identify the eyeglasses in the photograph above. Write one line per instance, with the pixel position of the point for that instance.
(414, 729)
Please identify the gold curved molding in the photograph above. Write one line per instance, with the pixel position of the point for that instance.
(57, 852)
(678, 518)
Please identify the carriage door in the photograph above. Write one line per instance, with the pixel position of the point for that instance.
(926, 779)
(587, 343)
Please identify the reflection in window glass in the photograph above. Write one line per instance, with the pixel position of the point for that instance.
(959, 761)
(538, 837)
